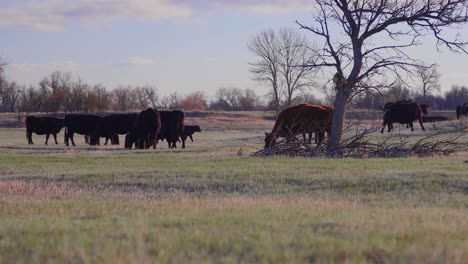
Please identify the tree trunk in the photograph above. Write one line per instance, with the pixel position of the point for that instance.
(341, 101)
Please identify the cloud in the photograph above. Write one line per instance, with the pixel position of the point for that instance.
(141, 61)
(67, 65)
(253, 6)
(53, 15)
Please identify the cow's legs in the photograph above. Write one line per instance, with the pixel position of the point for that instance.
(47, 138)
(411, 125)
(71, 139)
(55, 138)
(29, 137)
(107, 139)
(421, 123)
(383, 127)
(183, 143)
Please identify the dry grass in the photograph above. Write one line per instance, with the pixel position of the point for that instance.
(206, 204)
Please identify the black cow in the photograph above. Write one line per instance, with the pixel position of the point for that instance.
(43, 126)
(462, 110)
(172, 127)
(80, 124)
(111, 126)
(144, 130)
(404, 113)
(189, 131)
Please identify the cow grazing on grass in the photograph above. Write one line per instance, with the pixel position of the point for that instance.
(144, 130)
(80, 124)
(43, 126)
(189, 131)
(462, 110)
(303, 118)
(111, 126)
(172, 127)
(404, 113)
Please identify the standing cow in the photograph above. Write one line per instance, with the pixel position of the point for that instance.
(172, 127)
(189, 131)
(404, 113)
(80, 124)
(111, 126)
(303, 118)
(462, 110)
(144, 130)
(43, 126)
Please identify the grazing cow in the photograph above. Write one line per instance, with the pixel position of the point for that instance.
(172, 127)
(43, 126)
(189, 131)
(144, 130)
(303, 118)
(80, 124)
(111, 126)
(404, 113)
(462, 110)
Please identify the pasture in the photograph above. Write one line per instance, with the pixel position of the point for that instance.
(212, 202)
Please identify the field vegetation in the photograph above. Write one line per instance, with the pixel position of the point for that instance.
(212, 202)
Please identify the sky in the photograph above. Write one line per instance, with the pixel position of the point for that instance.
(175, 45)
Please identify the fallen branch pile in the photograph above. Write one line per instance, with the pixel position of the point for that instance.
(362, 145)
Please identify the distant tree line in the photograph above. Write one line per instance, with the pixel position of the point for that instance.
(60, 92)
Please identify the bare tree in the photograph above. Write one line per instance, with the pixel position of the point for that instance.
(266, 69)
(294, 53)
(428, 78)
(57, 85)
(123, 99)
(282, 57)
(172, 101)
(195, 101)
(9, 96)
(235, 99)
(103, 96)
(151, 95)
(349, 30)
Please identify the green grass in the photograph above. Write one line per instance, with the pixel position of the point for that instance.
(206, 204)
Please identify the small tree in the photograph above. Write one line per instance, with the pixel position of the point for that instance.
(281, 64)
(235, 99)
(195, 101)
(103, 96)
(428, 78)
(123, 98)
(172, 101)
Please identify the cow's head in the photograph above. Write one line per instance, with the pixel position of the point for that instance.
(270, 139)
(424, 108)
(459, 111)
(196, 128)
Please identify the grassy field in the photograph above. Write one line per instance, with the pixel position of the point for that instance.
(208, 204)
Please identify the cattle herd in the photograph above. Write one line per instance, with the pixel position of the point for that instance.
(145, 129)
(142, 130)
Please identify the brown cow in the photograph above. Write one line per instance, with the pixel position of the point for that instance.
(303, 118)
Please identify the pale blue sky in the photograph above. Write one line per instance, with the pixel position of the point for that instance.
(176, 45)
